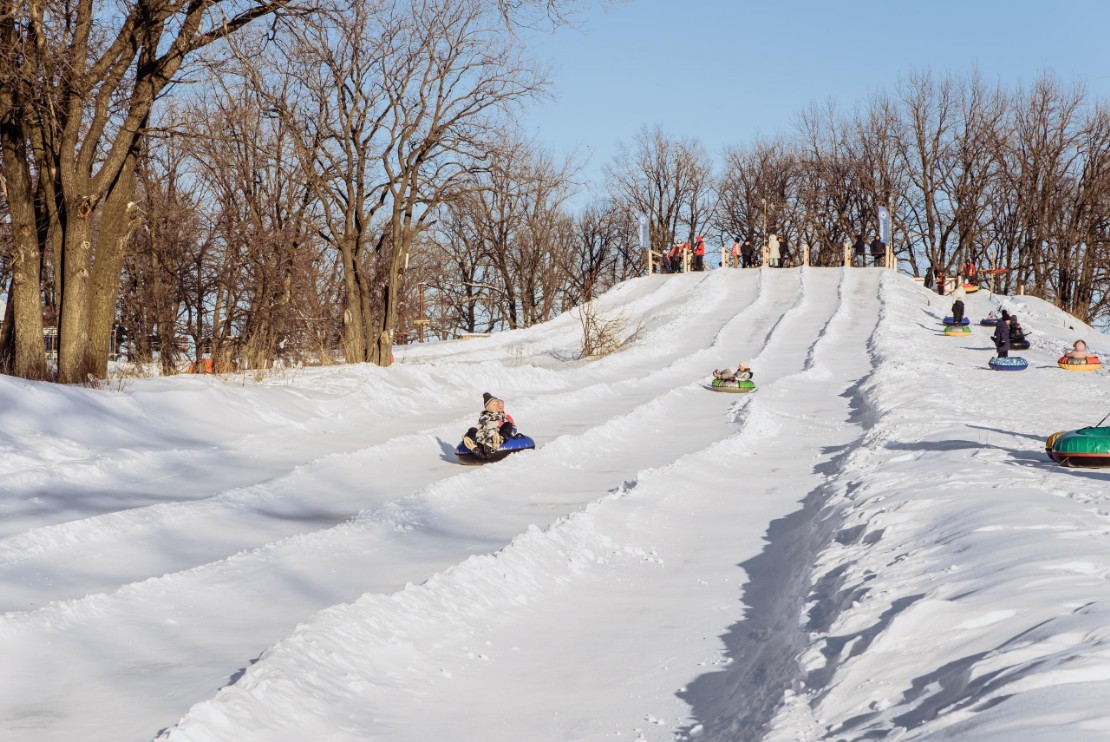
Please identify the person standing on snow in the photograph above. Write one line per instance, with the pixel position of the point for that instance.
(773, 254)
(860, 250)
(958, 298)
(878, 251)
(734, 262)
(699, 253)
(747, 252)
(1001, 335)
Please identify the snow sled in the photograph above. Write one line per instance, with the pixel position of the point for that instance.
(519, 442)
(990, 321)
(952, 321)
(1014, 363)
(1019, 345)
(1091, 363)
(736, 386)
(1083, 447)
(957, 330)
(971, 288)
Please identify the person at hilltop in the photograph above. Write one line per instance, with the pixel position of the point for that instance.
(878, 252)
(969, 272)
(736, 252)
(494, 427)
(773, 254)
(699, 253)
(747, 253)
(670, 259)
(860, 251)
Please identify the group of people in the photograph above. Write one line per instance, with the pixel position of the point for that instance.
(877, 248)
(968, 275)
(742, 254)
(674, 260)
(1008, 334)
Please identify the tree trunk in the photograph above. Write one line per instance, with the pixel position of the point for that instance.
(354, 318)
(73, 324)
(22, 353)
(116, 225)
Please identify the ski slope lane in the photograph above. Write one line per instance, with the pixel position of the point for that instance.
(495, 619)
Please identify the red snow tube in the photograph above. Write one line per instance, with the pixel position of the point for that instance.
(1090, 363)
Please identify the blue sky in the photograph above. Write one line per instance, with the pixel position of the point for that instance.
(728, 71)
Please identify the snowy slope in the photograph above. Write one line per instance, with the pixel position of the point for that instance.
(870, 546)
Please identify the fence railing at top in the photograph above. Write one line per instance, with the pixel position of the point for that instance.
(655, 258)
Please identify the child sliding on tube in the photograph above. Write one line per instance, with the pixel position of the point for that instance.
(495, 426)
(1078, 352)
(742, 373)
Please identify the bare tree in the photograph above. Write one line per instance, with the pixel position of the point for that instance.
(80, 84)
(669, 180)
(604, 253)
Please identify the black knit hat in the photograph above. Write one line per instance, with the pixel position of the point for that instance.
(486, 397)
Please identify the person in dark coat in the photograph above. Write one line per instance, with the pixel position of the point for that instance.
(860, 250)
(785, 256)
(1018, 341)
(1001, 335)
(929, 279)
(878, 251)
(746, 253)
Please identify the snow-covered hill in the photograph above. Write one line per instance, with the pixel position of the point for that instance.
(871, 546)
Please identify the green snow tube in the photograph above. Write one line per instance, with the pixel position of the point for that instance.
(957, 330)
(1083, 447)
(736, 387)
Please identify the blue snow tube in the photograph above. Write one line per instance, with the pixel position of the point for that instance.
(512, 445)
(990, 321)
(1013, 363)
(952, 321)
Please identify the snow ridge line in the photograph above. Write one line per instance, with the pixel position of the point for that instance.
(839, 584)
(406, 513)
(380, 622)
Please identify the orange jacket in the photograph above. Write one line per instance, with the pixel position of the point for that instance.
(699, 248)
